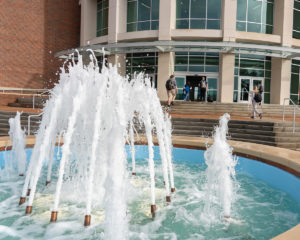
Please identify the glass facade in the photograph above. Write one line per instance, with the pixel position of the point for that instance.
(198, 14)
(252, 66)
(142, 62)
(102, 17)
(196, 62)
(199, 63)
(295, 82)
(142, 15)
(255, 16)
(296, 26)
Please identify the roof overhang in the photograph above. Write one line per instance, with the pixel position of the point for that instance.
(186, 46)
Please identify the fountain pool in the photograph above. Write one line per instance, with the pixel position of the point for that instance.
(267, 203)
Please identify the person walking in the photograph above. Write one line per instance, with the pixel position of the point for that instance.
(187, 91)
(203, 87)
(172, 90)
(256, 101)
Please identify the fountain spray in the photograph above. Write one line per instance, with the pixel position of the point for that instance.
(220, 172)
(95, 112)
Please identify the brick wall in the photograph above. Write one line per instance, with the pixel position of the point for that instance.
(31, 32)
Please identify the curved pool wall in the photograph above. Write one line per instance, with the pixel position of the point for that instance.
(281, 158)
(274, 176)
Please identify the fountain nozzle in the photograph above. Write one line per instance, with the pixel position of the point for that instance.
(28, 210)
(28, 191)
(153, 208)
(168, 198)
(53, 216)
(87, 220)
(22, 200)
(48, 182)
(133, 174)
(172, 189)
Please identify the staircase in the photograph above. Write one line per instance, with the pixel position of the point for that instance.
(5, 116)
(245, 131)
(285, 137)
(28, 102)
(234, 109)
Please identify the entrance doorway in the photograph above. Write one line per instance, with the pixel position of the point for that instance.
(246, 86)
(194, 81)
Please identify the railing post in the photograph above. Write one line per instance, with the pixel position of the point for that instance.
(28, 130)
(283, 110)
(294, 120)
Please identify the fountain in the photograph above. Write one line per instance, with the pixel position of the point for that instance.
(95, 112)
(15, 161)
(91, 125)
(220, 172)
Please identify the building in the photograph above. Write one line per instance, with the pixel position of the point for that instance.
(31, 32)
(235, 44)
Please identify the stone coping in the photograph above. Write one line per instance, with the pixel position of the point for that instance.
(285, 159)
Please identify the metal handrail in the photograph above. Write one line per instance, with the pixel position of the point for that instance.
(246, 92)
(249, 99)
(294, 112)
(28, 122)
(3, 89)
(37, 94)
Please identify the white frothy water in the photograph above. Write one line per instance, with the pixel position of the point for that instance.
(15, 162)
(95, 112)
(220, 174)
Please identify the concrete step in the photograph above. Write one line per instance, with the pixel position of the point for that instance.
(289, 145)
(287, 134)
(26, 105)
(287, 139)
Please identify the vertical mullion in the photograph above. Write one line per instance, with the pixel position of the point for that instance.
(247, 16)
(190, 3)
(261, 16)
(137, 15)
(150, 14)
(206, 13)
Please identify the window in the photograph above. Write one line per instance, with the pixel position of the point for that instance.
(295, 82)
(296, 26)
(142, 15)
(253, 66)
(255, 16)
(102, 18)
(196, 62)
(198, 14)
(142, 62)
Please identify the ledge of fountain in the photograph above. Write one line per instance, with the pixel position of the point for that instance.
(291, 234)
(286, 159)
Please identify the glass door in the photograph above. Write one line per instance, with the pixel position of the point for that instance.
(152, 79)
(246, 87)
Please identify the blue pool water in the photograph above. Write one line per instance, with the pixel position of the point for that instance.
(267, 203)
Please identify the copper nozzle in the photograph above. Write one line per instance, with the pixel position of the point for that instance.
(153, 208)
(227, 217)
(28, 191)
(22, 200)
(21, 175)
(133, 174)
(172, 189)
(168, 198)
(28, 210)
(53, 216)
(48, 182)
(87, 220)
